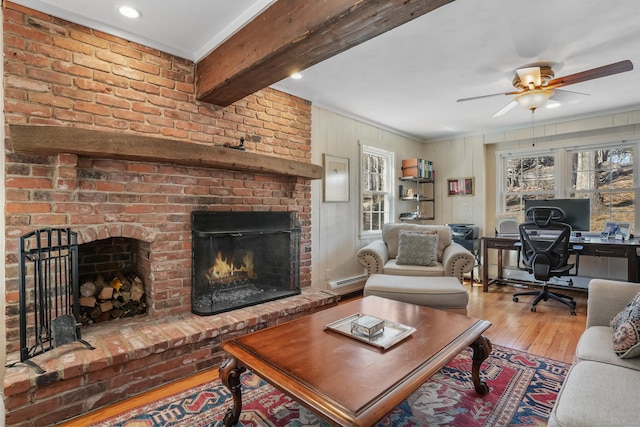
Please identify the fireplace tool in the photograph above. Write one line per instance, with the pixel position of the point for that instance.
(49, 293)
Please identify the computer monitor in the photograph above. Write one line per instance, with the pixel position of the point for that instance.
(578, 211)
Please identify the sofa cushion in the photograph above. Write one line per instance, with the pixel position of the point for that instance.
(391, 267)
(626, 330)
(597, 394)
(416, 248)
(595, 345)
(391, 236)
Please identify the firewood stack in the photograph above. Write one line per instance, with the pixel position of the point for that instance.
(122, 296)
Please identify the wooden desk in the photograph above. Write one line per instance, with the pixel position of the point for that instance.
(591, 246)
(346, 381)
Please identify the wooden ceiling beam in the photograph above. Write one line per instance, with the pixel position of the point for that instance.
(292, 35)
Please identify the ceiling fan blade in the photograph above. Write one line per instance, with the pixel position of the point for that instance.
(594, 73)
(473, 98)
(504, 110)
(562, 95)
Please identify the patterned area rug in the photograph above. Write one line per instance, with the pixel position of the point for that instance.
(523, 390)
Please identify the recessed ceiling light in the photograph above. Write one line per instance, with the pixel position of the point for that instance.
(129, 12)
(296, 76)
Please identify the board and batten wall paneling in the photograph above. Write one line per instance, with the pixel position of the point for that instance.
(336, 226)
(458, 158)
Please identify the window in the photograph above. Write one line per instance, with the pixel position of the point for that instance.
(528, 177)
(603, 174)
(377, 170)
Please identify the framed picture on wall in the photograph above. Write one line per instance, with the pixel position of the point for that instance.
(460, 186)
(336, 179)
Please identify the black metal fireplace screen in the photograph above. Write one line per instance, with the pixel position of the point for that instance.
(243, 258)
(48, 284)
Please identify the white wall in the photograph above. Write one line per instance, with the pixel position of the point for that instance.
(335, 226)
(458, 158)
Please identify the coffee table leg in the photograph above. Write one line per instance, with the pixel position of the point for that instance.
(481, 350)
(230, 372)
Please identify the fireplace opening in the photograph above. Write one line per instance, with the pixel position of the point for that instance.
(112, 280)
(243, 258)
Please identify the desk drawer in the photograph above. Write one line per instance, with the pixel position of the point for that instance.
(507, 244)
(610, 251)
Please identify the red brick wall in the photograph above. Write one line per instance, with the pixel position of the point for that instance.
(58, 73)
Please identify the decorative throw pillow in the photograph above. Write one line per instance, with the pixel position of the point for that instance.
(626, 330)
(416, 248)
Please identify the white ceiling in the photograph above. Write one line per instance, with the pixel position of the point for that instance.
(409, 79)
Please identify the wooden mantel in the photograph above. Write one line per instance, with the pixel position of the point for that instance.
(53, 140)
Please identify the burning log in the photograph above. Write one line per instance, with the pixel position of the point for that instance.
(236, 277)
(223, 268)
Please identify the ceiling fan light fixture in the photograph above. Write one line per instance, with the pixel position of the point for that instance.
(530, 76)
(534, 99)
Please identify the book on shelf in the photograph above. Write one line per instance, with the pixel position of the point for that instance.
(417, 168)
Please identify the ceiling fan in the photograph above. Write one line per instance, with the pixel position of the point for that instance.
(536, 85)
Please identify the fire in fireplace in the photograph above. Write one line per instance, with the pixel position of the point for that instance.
(243, 258)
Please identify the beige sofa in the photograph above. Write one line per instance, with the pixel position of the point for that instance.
(379, 256)
(601, 388)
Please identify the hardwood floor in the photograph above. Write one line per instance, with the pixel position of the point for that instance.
(550, 332)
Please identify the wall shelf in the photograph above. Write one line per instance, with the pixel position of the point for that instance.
(418, 188)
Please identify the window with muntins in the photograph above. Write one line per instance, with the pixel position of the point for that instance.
(606, 177)
(527, 177)
(376, 172)
(604, 174)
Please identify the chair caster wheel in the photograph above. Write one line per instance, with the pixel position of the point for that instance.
(533, 309)
(515, 299)
(573, 313)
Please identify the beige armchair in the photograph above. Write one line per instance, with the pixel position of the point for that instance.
(379, 256)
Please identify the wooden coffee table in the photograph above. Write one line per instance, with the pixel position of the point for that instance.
(344, 380)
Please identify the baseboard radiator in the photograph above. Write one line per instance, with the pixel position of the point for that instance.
(348, 284)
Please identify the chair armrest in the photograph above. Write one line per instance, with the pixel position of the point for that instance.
(457, 260)
(374, 256)
(607, 298)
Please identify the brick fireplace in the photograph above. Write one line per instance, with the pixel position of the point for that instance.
(71, 78)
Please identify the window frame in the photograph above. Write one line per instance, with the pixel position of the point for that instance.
(389, 156)
(502, 159)
(563, 173)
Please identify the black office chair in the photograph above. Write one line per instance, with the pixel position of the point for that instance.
(545, 252)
